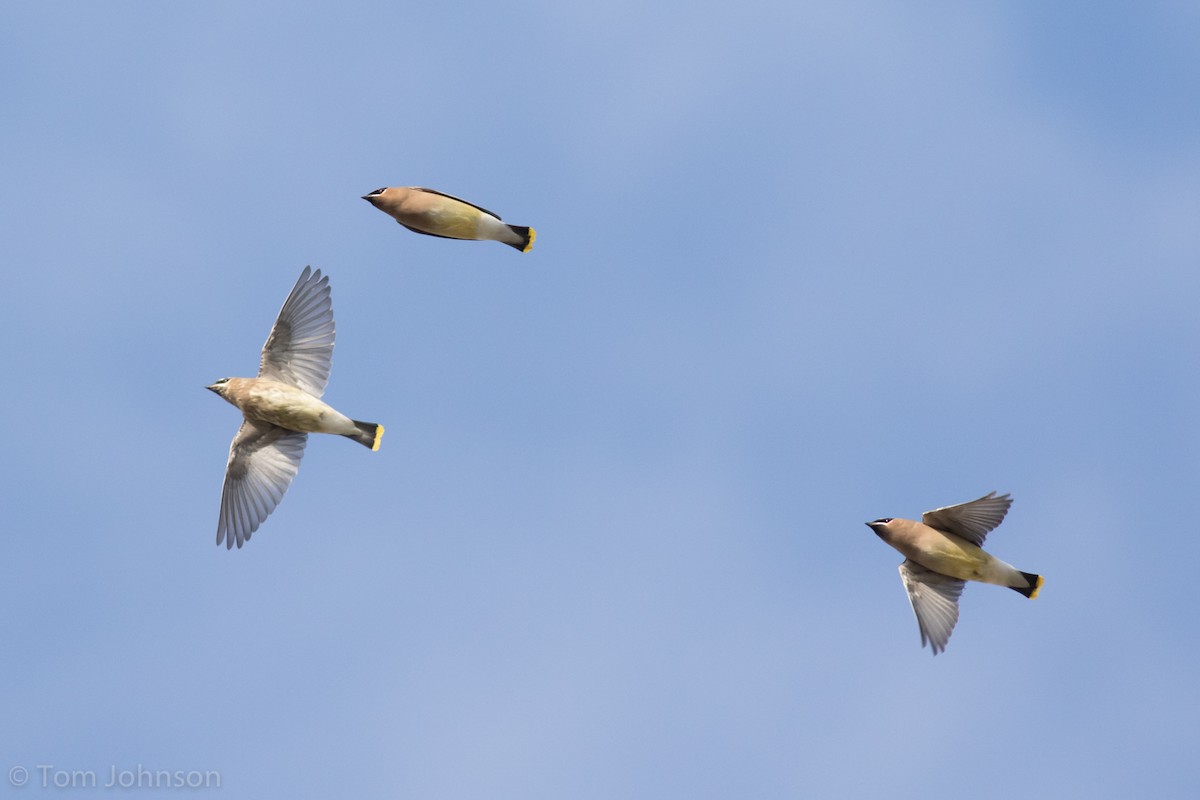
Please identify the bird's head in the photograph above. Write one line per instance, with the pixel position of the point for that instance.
(371, 197)
(882, 527)
(218, 386)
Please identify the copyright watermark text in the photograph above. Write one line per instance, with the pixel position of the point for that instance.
(114, 778)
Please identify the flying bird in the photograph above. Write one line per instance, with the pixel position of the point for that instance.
(438, 214)
(942, 552)
(281, 407)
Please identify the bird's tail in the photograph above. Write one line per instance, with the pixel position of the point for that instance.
(1035, 585)
(368, 434)
(527, 236)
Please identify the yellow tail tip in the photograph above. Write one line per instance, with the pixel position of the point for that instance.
(1037, 588)
(532, 236)
(378, 437)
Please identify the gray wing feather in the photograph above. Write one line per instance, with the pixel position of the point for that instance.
(427, 233)
(452, 197)
(934, 599)
(263, 460)
(299, 350)
(971, 521)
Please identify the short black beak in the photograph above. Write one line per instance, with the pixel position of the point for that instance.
(212, 389)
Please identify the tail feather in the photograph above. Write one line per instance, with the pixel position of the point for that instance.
(1035, 584)
(527, 236)
(369, 434)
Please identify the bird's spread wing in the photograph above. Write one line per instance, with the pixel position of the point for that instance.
(299, 350)
(971, 521)
(263, 459)
(934, 599)
(452, 197)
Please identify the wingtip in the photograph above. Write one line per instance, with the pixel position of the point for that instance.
(934, 647)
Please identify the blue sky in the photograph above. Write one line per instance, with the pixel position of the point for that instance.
(799, 266)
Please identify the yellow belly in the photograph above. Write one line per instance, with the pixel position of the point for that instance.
(294, 409)
(958, 559)
(457, 222)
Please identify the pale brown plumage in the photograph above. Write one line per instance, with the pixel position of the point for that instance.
(942, 552)
(280, 408)
(438, 214)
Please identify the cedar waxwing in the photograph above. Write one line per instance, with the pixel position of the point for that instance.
(281, 407)
(437, 214)
(942, 553)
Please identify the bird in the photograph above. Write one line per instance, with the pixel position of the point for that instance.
(942, 552)
(280, 408)
(439, 214)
